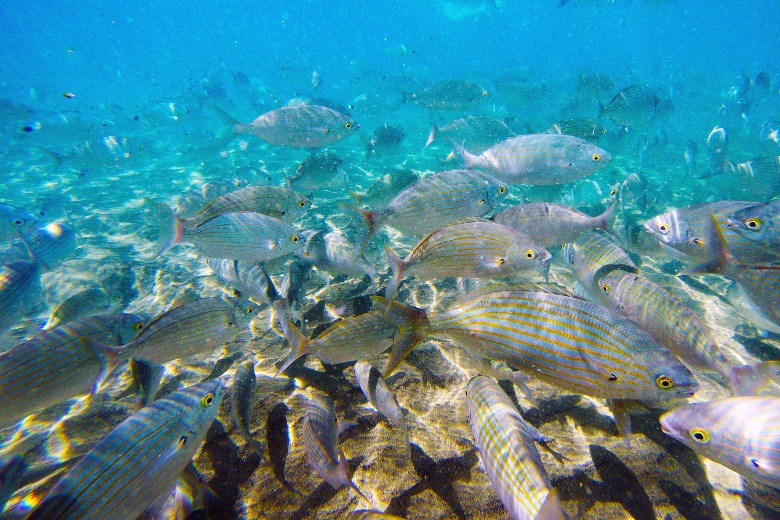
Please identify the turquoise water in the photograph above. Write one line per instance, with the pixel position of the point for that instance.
(103, 106)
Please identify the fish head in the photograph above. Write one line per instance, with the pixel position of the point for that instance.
(244, 311)
(496, 192)
(345, 125)
(590, 153)
(664, 376)
(696, 425)
(128, 326)
(668, 229)
(299, 205)
(525, 254)
(753, 223)
(201, 404)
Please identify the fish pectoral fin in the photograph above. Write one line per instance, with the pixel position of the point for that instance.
(109, 357)
(521, 379)
(594, 365)
(620, 410)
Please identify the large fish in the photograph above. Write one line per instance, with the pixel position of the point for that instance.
(299, 126)
(506, 447)
(477, 132)
(381, 397)
(437, 200)
(742, 433)
(759, 223)
(448, 95)
(469, 250)
(552, 224)
(137, 464)
(539, 159)
(633, 106)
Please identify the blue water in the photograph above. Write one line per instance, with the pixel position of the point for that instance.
(105, 104)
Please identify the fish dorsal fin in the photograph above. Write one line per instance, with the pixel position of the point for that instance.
(542, 287)
(187, 295)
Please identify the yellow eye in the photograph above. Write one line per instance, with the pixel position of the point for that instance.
(753, 223)
(301, 203)
(501, 261)
(596, 157)
(207, 400)
(138, 325)
(664, 382)
(501, 190)
(700, 435)
(663, 228)
(529, 253)
(347, 125)
(605, 287)
(18, 222)
(484, 93)
(249, 310)
(295, 238)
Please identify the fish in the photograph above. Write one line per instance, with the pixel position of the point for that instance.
(506, 446)
(759, 223)
(294, 289)
(386, 187)
(146, 380)
(594, 254)
(321, 442)
(137, 463)
(85, 303)
(12, 469)
(582, 127)
(335, 253)
(689, 157)
(249, 279)
(539, 159)
(740, 300)
(477, 132)
(61, 363)
(49, 245)
(689, 228)
(633, 106)
(758, 176)
(738, 432)
(437, 200)
(468, 250)
(562, 339)
(679, 329)
(717, 143)
(381, 397)
(384, 140)
(100, 153)
(20, 291)
(298, 126)
(14, 221)
(552, 224)
(448, 95)
(191, 204)
(316, 172)
(241, 398)
(247, 237)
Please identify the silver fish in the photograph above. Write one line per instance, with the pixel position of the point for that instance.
(582, 127)
(539, 159)
(335, 253)
(448, 95)
(477, 132)
(633, 106)
(384, 140)
(85, 303)
(195, 200)
(759, 223)
(249, 279)
(317, 171)
(274, 201)
(138, 462)
(381, 397)
(594, 254)
(242, 400)
(717, 142)
(742, 433)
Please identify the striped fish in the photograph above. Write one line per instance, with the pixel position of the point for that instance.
(758, 176)
(562, 339)
(582, 127)
(742, 433)
(335, 253)
(552, 224)
(478, 132)
(60, 363)
(386, 187)
(678, 328)
(468, 250)
(249, 279)
(365, 514)
(20, 290)
(381, 397)
(759, 223)
(506, 447)
(321, 442)
(274, 201)
(539, 159)
(316, 172)
(437, 200)
(12, 470)
(138, 462)
(592, 255)
(241, 398)
(191, 203)
(247, 237)
(50, 245)
(633, 106)
(85, 303)
(688, 230)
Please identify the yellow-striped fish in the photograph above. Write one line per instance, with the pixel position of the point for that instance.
(381, 397)
(137, 463)
(742, 433)
(506, 447)
(592, 255)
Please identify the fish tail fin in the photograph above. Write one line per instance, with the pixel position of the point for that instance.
(374, 221)
(397, 264)
(226, 118)
(605, 219)
(749, 379)
(431, 135)
(170, 226)
(470, 160)
(552, 508)
(355, 196)
(718, 254)
(298, 343)
(146, 380)
(344, 476)
(401, 348)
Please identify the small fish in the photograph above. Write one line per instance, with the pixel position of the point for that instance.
(335, 253)
(321, 441)
(85, 303)
(437, 200)
(299, 126)
(689, 156)
(381, 397)
(539, 159)
(633, 106)
(509, 455)
(582, 127)
(14, 221)
(69, 95)
(468, 250)
(12, 470)
(249, 279)
(448, 95)
(384, 140)
(759, 223)
(247, 237)
(20, 291)
(717, 143)
(318, 171)
(552, 224)
(386, 187)
(242, 400)
(477, 132)
(738, 433)
(594, 254)
(138, 462)
(194, 201)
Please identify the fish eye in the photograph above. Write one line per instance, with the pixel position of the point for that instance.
(753, 223)
(605, 287)
(295, 238)
(755, 463)
(501, 190)
(484, 93)
(664, 382)
(183, 440)
(501, 261)
(207, 400)
(663, 228)
(138, 325)
(301, 203)
(529, 253)
(18, 222)
(596, 157)
(700, 435)
(249, 310)
(347, 125)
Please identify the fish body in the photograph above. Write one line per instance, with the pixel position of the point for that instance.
(301, 126)
(469, 250)
(717, 144)
(437, 200)
(551, 224)
(190, 204)
(539, 159)
(741, 433)
(242, 399)
(274, 201)
(249, 279)
(381, 397)
(759, 223)
(448, 95)
(335, 253)
(582, 127)
(633, 106)
(386, 187)
(509, 455)
(20, 290)
(384, 140)
(476, 132)
(14, 221)
(138, 462)
(85, 303)
(592, 255)
(318, 171)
